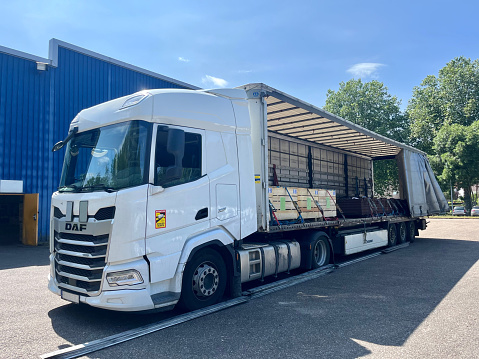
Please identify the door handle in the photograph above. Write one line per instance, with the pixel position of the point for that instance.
(35, 217)
(202, 213)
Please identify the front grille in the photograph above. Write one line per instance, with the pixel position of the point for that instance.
(85, 238)
(101, 215)
(80, 259)
(90, 262)
(91, 274)
(88, 286)
(94, 251)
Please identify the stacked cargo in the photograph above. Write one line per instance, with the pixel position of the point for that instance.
(372, 207)
(295, 203)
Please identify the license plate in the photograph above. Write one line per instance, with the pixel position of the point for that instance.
(74, 298)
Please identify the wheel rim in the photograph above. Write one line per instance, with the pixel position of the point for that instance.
(205, 280)
(320, 253)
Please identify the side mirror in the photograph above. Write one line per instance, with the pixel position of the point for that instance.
(175, 145)
(59, 145)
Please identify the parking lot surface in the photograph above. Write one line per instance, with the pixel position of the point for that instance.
(418, 302)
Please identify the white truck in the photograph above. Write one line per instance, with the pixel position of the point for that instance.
(165, 196)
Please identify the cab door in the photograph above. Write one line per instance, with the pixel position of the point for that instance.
(178, 207)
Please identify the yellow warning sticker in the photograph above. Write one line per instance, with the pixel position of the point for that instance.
(160, 219)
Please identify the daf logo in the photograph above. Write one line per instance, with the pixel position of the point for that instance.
(75, 227)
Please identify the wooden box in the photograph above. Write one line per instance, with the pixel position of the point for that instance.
(283, 202)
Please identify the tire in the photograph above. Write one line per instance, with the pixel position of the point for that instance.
(392, 235)
(204, 280)
(320, 251)
(411, 231)
(401, 233)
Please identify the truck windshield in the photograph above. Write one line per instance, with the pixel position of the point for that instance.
(107, 159)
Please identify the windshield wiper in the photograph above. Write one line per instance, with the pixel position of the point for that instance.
(101, 186)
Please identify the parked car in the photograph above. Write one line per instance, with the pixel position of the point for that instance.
(459, 211)
(475, 211)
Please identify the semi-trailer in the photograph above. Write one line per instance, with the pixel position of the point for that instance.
(179, 196)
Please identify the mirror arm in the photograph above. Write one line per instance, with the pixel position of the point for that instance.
(59, 145)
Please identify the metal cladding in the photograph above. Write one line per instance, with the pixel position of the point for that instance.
(39, 98)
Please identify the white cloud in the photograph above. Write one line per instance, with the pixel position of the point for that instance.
(365, 69)
(182, 59)
(210, 80)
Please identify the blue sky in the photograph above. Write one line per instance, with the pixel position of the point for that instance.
(302, 48)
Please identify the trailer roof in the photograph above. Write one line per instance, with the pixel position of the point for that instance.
(290, 116)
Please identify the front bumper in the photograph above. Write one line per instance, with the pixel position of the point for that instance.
(144, 297)
(120, 300)
(125, 300)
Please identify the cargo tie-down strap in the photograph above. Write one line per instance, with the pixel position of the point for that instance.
(295, 204)
(337, 205)
(273, 210)
(317, 204)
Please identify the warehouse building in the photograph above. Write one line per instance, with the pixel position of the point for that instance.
(38, 99)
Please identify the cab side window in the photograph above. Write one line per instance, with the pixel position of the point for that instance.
(191, 159)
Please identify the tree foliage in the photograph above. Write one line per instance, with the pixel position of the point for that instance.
(369, 105)
(444, 117)
(450, 98)
(457, 156)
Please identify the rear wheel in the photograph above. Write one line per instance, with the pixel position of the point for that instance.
(411, 231)
(204, 280)
(392, 235)
(402, 233)
(320, 251)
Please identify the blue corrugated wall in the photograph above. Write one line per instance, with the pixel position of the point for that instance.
(36, 108)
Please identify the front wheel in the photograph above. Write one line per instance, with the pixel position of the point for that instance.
(204, 280)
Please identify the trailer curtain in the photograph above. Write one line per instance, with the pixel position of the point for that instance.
(419, 185)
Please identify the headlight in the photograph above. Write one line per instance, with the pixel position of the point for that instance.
(127, 277)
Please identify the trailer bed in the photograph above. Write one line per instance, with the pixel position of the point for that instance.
(340, 223)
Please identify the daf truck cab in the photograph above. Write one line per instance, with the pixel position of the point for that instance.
(150, 182)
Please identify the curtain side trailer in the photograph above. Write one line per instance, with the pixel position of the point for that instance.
(177, 196)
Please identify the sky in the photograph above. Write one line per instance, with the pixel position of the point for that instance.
(299, 47)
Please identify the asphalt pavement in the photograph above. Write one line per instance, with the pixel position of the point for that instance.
(418, 302)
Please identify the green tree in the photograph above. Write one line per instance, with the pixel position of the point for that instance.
(457, 157)
(369, 105)
(450, 98)
(443, 113)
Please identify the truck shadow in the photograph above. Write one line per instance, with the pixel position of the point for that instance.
(82, 323)
(380, 301)
(18, 256)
